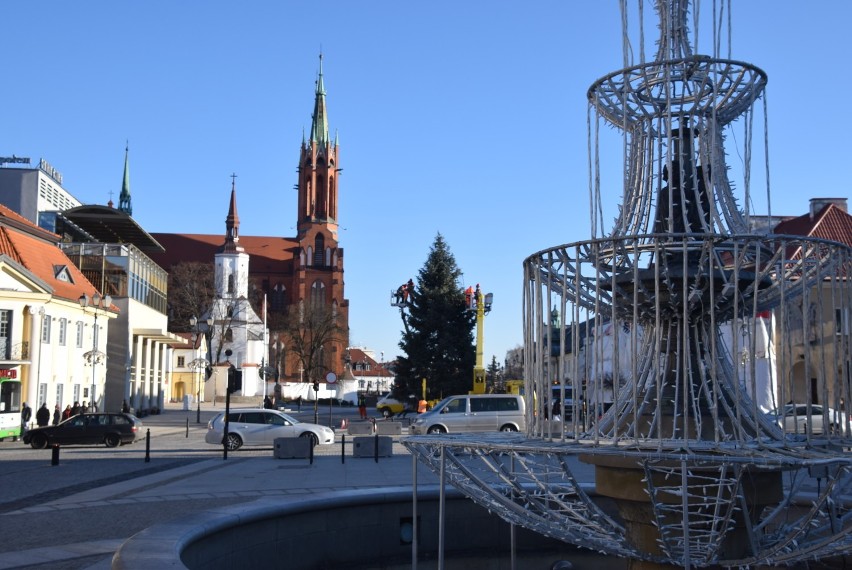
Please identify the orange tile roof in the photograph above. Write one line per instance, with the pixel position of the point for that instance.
(35, 249)
(830, 223)
(268, 254)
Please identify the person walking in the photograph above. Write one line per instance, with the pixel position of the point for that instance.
(362, 406)
(75, 409)
(267, 403)
(26, 416)
(66, 413)
(421, 406)
(43, 415)
(124, 407)
(57, 414)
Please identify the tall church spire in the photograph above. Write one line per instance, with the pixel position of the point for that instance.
(318, 171)
(232, 222)
(319, 127)
(124, 198)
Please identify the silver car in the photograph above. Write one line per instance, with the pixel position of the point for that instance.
(794, 419)
(258, 426)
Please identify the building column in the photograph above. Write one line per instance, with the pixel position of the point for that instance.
(35, 357)
(138, 366)
(147, 384)
(156, 383)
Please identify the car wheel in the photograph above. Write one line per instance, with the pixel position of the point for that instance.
(38, 441)
(112, 440)
(508, 427)
(310, 436)
(436, 429)
(234, 442)
(386, 413)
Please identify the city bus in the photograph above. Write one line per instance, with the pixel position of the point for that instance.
(10, 404)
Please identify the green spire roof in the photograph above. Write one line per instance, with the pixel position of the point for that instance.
(319, 127)
(124, 198)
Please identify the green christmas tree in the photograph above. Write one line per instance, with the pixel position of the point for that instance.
(438, 334)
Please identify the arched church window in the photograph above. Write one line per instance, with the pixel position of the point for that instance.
(319, 244)
(231, 284)
(230, 311)
(334, 258)
(302, 258)
(277, 298)
(310, 256)
(328, 256)
(229, 335)
(318, 294)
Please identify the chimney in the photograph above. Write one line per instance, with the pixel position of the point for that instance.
(818, 204)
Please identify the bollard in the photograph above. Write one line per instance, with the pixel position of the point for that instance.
(187, 428)
(377, 448)
(148, 446)
(54, 458)
(311, 455)
(343, 448)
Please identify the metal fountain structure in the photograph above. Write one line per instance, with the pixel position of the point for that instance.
(674, 315)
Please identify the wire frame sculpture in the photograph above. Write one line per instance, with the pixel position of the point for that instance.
(701, 369)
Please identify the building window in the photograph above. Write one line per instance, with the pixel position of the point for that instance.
(5, 328)
(318, 294)
(63, 331)
(231, 284)
(45, 329)
(319, 250)
(181, 361)
(79, 334)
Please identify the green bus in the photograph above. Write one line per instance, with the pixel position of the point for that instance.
(10, 404)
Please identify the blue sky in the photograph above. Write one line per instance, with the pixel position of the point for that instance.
(464, 118)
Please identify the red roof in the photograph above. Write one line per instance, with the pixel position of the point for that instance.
(36, 250)
(830, 223)
(268, 254)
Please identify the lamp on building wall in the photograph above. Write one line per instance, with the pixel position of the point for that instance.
(198, 364)
(95, 356)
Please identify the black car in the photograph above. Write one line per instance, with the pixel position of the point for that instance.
(110, 429)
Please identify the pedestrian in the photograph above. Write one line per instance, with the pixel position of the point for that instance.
(75, 409)
(362, 406)
(124, 407)
(421, 406)
(26, 415)
(267, 403)
(57, 414)
(43, 415)
(299, 400)
(408, 408)
(84, 408)
(66, 413)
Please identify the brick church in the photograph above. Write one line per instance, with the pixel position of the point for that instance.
(307, 268)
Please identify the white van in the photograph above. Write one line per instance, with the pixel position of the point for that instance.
(473, 412)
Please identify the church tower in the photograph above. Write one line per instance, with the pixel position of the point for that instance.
(124, 197)
(318, 260)
(231, 261)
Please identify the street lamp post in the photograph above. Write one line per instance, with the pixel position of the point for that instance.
(197, 363)
(95, 356)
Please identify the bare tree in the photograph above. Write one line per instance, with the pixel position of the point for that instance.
(309, 329)
(190, 293)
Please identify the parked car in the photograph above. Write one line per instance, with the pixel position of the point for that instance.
(87, 429)
(257, 426)
(794, 419)
(472, 412)
(389, 406)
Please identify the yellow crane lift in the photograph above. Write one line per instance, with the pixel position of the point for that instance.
(480, 303)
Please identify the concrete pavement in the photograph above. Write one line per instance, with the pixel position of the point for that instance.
(75, 515)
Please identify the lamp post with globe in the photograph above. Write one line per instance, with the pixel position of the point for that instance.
(95, 356)
(198, 364)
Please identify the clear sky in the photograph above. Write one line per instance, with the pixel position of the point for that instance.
(464, 118)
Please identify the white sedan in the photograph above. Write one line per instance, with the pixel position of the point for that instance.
(258, 426)
(794, 419)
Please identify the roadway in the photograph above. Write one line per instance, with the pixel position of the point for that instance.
(74, 515)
